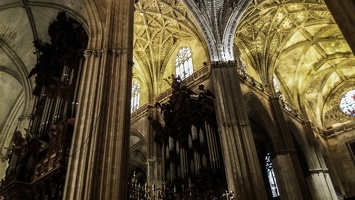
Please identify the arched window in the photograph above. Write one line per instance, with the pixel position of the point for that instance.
(135, 96)
(277, 87)
(347, 103)
(271, 176)
(183, 63)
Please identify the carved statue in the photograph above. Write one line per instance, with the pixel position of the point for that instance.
(68, 42)
(206, 100)
(19, 144)
(159, 130)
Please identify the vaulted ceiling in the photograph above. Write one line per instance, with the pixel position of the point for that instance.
(160, 26)
(297, 41)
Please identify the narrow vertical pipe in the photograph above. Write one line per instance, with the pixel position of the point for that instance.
(215, 147)
(194, 132)
(163, 159)
(210, 146)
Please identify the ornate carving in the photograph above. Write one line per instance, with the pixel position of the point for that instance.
(68, 42)
(190, 142)
(38, 160)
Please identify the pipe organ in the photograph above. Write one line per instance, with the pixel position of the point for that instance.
(189, 142)
(38, 158)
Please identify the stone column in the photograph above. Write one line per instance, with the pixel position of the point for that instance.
(286, 164)
(240, 157)
(99, 150)
(154, 153)
(319, 180)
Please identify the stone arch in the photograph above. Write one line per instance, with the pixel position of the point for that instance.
(94, 24)
(203, 23)
(231, 27)
(20, 74)
(264, 134)
(138, 156)
(258, 114)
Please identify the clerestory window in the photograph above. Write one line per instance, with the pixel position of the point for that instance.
(135, 96)
(183, 63)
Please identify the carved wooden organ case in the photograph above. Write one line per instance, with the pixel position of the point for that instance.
(38, 159)
(191, 153)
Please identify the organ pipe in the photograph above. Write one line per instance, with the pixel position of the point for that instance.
(189, 138)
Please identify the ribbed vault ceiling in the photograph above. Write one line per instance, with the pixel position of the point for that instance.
(297, 42)
(159, 26)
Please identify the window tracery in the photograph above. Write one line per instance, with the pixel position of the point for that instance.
(347, 103)
(135, 96)
(271, 176)
(183, 63)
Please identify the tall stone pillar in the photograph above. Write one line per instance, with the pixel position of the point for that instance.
(99, 150)
(286, 163)
(154, 154)
(319, 180)
(241, 161)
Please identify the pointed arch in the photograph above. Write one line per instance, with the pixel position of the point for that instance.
(138, 157)
(264, 134)
(204, 25)
(94, 24)
(258, 114)
(231, 27)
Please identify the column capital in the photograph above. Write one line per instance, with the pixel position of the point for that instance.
(235, 123)
(319, 170)
(285, 151)
(223, 64)
(100, 52)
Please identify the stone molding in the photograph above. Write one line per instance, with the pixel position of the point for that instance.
(100, 52)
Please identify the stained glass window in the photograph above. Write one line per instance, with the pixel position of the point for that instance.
(347, 103)
(135, 96)
(271, 176)
(183, 63)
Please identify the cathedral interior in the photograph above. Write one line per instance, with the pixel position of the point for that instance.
(177, 99)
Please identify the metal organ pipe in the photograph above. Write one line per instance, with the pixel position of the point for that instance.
(186, 163)
(197, 162)
(192, 166)
(179, 153)
(204, 160)
(75, 97)
(215, 149)
(194, 132)
(163, 160)
(182, 162)
(168, 176)
(45, 116)
(171, 143)
(177, 148)
(172, 171)
(209, 144)
(189, 142)
(167, 152)
(179, 171)
(56, 110)
(202, 138)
